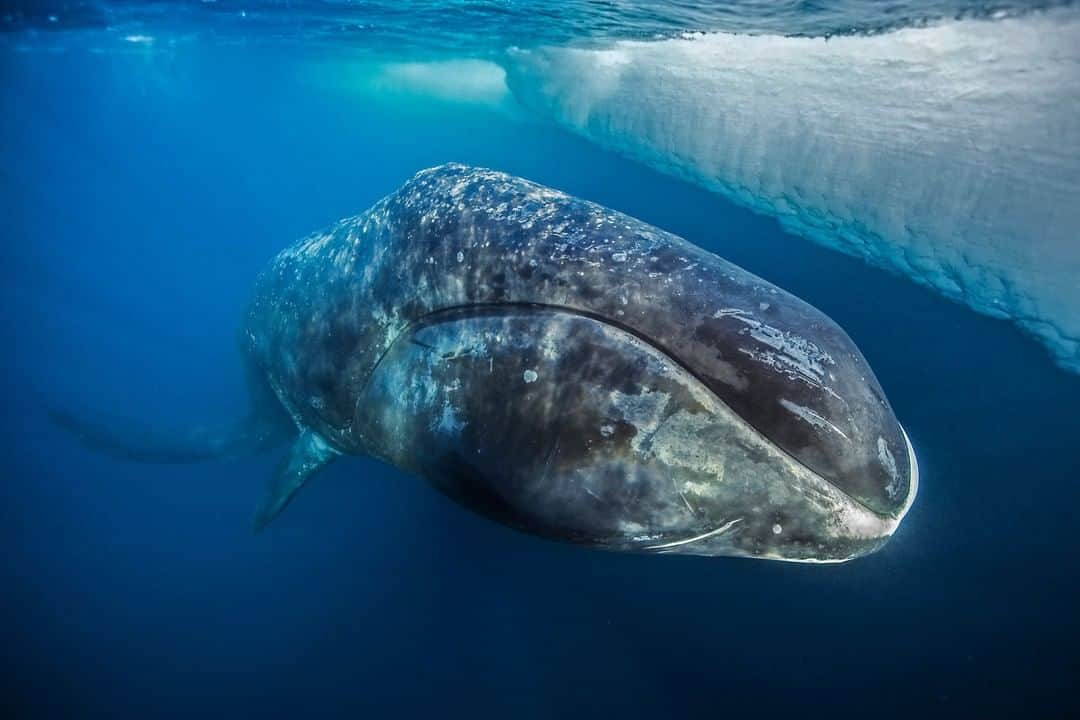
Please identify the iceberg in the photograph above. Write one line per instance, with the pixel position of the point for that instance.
(948, 153)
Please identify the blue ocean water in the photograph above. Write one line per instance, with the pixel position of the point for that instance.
(157, 155)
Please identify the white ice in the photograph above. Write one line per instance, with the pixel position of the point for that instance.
(949, 153)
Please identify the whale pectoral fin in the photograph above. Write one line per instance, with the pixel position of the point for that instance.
(309, 454)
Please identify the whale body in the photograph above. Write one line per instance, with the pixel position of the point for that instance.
(566, 370)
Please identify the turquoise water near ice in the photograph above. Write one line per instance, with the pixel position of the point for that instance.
(157, 155)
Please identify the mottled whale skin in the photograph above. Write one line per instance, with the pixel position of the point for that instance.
(563, 369)
(577, 374)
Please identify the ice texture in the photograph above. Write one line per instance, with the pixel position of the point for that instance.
(947, 153)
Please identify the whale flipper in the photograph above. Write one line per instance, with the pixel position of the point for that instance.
(309, 454)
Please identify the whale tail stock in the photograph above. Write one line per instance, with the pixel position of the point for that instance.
(132, 441)
(265, 425)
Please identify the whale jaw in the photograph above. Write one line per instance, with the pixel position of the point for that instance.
(569, 428)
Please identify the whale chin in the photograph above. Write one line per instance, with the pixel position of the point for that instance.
(868, 530)
(851, 531)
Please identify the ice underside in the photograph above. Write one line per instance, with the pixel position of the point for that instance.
(948, 153)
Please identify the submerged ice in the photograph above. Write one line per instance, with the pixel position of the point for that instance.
(949, 154)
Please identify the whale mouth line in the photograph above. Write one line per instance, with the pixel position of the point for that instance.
(480, 309)
(696, 538)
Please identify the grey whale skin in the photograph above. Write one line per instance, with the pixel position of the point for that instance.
(566, 370)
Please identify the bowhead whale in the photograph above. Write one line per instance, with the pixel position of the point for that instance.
(566, 370)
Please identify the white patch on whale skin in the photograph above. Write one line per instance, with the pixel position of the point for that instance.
(799, 354)
(790, 354)
(448, 421)
(644, 412)
(678, 443)
(698, 488)
(696, 538)
(889, 463)
(809, 416)
(310, 246)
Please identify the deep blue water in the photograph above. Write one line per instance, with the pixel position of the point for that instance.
(144, 188)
